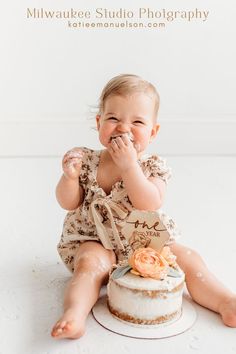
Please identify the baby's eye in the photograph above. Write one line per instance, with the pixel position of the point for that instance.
(138, 122)
(113, 118)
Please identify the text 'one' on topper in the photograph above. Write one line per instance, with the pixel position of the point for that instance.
(145, 229)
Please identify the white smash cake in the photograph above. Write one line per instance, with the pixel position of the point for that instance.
(149, 290)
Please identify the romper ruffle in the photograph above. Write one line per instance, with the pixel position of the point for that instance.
(100, 217)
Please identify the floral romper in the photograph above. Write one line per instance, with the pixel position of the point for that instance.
(100, 217)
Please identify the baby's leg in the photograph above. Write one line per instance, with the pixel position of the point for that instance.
(92, 265)
(203, 286)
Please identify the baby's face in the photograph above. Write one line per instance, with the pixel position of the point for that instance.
(133, 115)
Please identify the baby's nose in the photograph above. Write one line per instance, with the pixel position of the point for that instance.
(123, 127)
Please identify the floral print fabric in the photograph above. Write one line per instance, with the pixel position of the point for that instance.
(79, 225)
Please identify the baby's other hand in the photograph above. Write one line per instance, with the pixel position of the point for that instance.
(72, 162)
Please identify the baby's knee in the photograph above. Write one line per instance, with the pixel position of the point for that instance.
(93, 267)
(91, 260)
(94, 258)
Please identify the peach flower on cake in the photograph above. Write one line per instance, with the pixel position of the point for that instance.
(148, 263)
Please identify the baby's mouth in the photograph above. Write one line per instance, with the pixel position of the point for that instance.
(130, 136)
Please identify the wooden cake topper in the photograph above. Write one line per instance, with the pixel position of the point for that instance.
(145, 229)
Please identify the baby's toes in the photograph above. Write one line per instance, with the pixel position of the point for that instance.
(228, 312)
(59, 328)
(229, 319)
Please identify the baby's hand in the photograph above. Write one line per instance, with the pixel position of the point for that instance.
(123, 151)
(72, 162)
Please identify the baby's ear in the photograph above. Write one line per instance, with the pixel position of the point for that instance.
(98, 121)
(154, 131)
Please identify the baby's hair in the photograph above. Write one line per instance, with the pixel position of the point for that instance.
(126, 84)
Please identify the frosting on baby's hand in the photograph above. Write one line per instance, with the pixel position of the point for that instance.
(129, 135)
(72, 163)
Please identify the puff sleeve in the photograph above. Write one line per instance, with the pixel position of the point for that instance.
(155, 166)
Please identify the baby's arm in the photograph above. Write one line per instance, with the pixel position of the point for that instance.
(68, 191)
(144, 193)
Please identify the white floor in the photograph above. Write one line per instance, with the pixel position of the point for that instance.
(201, 198)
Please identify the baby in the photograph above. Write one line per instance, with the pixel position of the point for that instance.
(101, 188)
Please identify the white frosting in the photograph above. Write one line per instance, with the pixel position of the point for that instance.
(133, 281)
(138, 304)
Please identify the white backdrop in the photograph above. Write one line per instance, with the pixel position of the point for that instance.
(51, 74)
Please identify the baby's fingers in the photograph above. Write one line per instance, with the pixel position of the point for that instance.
(137, 147)
(74, 153)
(72, 168)
(73, 163)
(125, 138)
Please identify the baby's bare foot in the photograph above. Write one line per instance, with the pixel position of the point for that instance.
(69, 326)
(227, 310)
